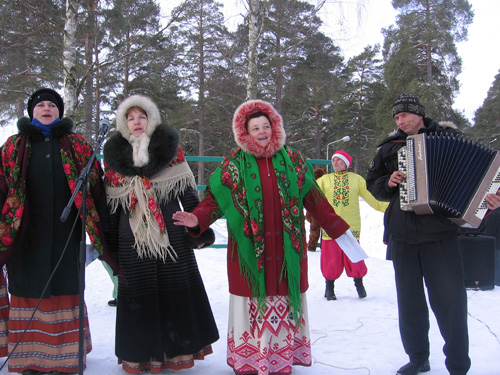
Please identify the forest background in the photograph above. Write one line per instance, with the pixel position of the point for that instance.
(184, 56)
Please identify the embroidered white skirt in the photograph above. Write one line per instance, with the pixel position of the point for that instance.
(268, 344)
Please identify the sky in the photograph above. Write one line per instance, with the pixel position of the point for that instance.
(361, 26)
(350, 336)
(480, 60)
(353, 27)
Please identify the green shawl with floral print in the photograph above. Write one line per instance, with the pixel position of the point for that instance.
(237, 188)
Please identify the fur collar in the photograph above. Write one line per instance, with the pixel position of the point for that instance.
(162, 149)
(245, 141)
(429, 127)
(25, 128)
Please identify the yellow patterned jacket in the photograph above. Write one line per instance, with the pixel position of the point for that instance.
(343, 189)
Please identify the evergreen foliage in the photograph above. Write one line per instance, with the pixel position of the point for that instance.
(487, 117)
(421, 57)
(363, 92)
(31, 49)
(196, 69)
(289, 26)
(311, 97)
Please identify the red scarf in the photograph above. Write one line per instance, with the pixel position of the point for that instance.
(75, 154)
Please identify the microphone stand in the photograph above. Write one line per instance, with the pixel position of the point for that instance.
(83, 185)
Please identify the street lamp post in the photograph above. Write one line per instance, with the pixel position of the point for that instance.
(345, 139)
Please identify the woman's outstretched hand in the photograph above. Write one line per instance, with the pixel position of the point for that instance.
(185, 218)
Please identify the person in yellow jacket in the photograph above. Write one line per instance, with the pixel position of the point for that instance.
(343, 189)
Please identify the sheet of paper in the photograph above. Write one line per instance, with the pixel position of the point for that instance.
(351, 247)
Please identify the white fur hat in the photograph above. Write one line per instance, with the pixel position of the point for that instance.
(142, 102)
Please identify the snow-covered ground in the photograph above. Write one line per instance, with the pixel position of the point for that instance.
(349, 336)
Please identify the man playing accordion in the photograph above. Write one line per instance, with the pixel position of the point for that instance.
(423, 247)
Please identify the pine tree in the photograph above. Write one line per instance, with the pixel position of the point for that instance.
(311, 95)
(130, 25)
(202, 37)
(363, 92)
(288, 27)
(31, 50)
(421, 57)
(487, 117)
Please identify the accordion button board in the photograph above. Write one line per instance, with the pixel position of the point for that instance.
(448, 174)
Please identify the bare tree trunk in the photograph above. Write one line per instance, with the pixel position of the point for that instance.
(88, 95)
(279, 70)
(254, 31)
(428, 56)
(97, 86)
(201, 100)
(69, 58)
(126, 67)
(357, 138)
(201, 136)
(317, 131)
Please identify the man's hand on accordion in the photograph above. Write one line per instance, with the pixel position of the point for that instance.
(493, 200)
(396, 178)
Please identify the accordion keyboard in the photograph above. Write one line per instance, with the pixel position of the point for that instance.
(493, 188)
(404, 194)
(407, 190)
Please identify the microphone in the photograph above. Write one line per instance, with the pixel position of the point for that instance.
(103, 128)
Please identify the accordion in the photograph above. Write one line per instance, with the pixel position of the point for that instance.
(448, 174)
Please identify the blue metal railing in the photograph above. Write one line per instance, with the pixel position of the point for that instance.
(219, 159)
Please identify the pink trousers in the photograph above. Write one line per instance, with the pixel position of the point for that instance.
(334, 260)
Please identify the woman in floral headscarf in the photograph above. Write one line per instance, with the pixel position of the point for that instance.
(262, 188)
(163, 318)
(38, 173)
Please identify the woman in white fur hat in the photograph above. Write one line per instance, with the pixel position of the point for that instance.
(164, 319)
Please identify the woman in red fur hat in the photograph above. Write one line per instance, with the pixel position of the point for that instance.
(262, 188)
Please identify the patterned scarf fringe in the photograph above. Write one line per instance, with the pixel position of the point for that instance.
(168, 189)
(150, 242)
(164, 191)
(148, 248)
(293, 295)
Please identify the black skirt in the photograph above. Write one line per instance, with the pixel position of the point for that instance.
(163, 308)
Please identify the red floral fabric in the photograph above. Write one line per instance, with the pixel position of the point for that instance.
(75, 154)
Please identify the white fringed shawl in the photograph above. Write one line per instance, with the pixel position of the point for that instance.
(142, 197)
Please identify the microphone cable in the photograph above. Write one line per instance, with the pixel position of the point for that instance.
(44, 290)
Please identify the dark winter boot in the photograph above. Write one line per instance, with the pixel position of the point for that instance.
(414, 368)
(358, 283)
(329, 293)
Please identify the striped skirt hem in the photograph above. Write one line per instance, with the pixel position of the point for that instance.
(51, 341)
(177, 363)
(4, 316)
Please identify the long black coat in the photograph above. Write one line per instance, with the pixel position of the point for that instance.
(162, 306)
(44, 236)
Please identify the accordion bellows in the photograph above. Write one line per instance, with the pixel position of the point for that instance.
(448, 174)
